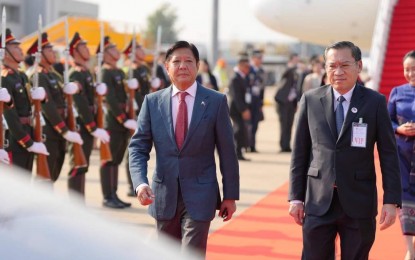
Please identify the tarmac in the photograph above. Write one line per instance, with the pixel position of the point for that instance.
(266, 171)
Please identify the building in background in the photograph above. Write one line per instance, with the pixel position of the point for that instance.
(22, 15)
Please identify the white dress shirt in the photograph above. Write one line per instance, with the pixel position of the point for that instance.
(346, 103)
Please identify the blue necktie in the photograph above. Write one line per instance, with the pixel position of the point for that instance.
(339, 114)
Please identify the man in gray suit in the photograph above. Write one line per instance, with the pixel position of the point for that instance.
(184, 194)
(332, 177)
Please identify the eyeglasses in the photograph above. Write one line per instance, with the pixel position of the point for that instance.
(330, 67)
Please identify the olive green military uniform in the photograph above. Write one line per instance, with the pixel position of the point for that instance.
(84, 102)
(116, 104)
(18, 118)
(143, 75)
(54, 113)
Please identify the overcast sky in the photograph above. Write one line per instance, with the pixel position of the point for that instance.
(236, 21)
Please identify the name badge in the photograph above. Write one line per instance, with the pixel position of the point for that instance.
(359, 134)
(248, 98)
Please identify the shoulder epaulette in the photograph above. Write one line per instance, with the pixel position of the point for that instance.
(6, 71)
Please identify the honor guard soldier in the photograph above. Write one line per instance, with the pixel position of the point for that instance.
(118, 124)
(84, 101)
(53, 108)
(142, 73)
(21, 146)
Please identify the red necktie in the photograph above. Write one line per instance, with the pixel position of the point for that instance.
(181, 120)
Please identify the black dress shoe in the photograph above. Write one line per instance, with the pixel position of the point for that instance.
(125, 204)
(253, 150)
(112, 203)
(288, 150)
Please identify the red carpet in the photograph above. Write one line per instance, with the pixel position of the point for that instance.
(266, 231)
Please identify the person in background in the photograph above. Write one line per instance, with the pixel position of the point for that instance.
(53, 108)
(286, 100)
(221, 74)
(401, 108)
(118, 124)
(18, 107)
(161, 71)
(84, 100)
(324, 79)
(332, 183)
(205, 76)
(186, 123)
(142, 73)
(313, 79)
(255, 91)
(239, 105)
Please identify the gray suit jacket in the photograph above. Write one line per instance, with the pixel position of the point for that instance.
(192, 168)
(320, 160)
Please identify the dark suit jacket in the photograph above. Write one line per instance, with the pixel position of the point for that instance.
(212, 79)
(320, 160)
(194, 166)
(237, 90)
(288, 81)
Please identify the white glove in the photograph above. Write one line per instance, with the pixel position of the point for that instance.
(4, 157)
(101, 89)
(38, 93)
(130, 124)
(38, 147)
(73, 137)
(132, 83)
(70, 88)
(101, 135)
(155, 83)
(4, 95)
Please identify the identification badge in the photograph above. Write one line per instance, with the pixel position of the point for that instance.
(248, 98)
(359, 134)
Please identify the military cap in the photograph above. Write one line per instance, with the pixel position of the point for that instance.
(129, 47)
(45, 43)
(107, 44)
(76, 40)
(10, 39)
(257, 53)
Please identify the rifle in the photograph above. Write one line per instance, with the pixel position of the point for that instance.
(131, 92)
(156, 53)
(42, 167)
(104, 148)
(2, 53)
(78, 153)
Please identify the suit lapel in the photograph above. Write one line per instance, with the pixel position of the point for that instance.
(165, 110)
(327, 102)
(355, 104)
(199, 108)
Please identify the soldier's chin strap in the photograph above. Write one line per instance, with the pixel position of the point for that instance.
(11, 55)
(112, 56)
(46, 59)
(80, 54)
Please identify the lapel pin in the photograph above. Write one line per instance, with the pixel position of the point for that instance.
(354, 110)
(203, 103)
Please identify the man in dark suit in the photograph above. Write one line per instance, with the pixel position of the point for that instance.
(286, 99)
(239, 107)
(332, 176)
(185, 122)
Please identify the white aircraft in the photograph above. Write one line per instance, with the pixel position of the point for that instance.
(320, 21)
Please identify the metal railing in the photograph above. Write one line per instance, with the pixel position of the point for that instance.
(380, 41)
